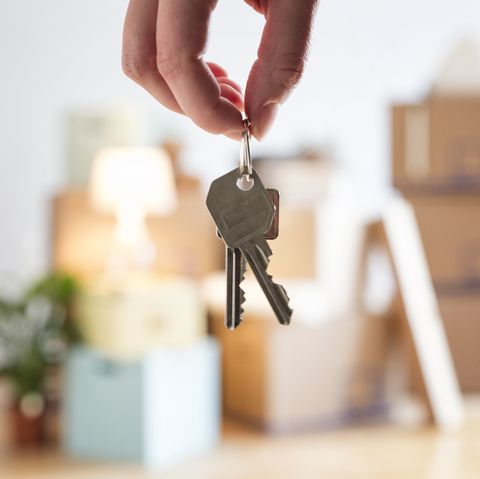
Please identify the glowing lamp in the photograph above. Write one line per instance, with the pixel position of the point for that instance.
(133, 183)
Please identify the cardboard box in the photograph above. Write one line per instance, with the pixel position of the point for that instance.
(460, 311)
(296, 233)
(438, 141)
(160, 410)
(283, 379)
(185, 241)
(450, 229)
(126, 321)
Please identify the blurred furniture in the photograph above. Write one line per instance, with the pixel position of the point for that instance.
(127, 319)
(185, 240)
(417, 308)
(461, 316)
(448, 221)
(139, 288)
(437, 140)
(329, 366)
(88, 130)
(146, 385)
(304, 178)
(132, 183)
(297, 233)
(268, 375)
(160, 410)
(436, 166)
(304, 376)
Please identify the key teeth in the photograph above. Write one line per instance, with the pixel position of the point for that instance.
(243, 270)
(242, 301)
(263, 249)
(284, 292)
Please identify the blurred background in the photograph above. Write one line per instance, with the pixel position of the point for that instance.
(113, 354)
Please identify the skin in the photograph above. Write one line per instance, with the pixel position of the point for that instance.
(163, 46)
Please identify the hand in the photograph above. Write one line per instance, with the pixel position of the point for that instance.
(163, 44)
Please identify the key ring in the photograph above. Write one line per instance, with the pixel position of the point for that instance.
(245, 155)
(245, 181)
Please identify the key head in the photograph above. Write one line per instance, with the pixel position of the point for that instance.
(272, 233)
(240, 215)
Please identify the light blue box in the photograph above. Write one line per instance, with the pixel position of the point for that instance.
(160, 410)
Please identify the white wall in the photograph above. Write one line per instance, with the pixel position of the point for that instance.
(57, 54)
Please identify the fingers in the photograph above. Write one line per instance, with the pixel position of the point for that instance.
(230, 82)
(232, 95)
(226, 85)
(217, 70)
(139, 51)
(281, 59)
(181, 35)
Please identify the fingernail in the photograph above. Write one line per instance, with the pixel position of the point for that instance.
(265, 120)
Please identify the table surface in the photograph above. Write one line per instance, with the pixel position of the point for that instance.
(363, 452)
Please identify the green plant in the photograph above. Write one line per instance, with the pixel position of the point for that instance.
(35, 331)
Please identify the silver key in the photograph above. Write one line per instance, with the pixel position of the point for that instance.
(235, 268)
(243, 218)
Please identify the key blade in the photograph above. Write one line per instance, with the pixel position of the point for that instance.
(256, 253)
(235, 269)
(241, 292)
(230, 280)
(263, 252)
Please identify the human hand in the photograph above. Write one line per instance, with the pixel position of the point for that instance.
(163, 44)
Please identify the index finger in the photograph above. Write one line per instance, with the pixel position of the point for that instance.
(182, 28)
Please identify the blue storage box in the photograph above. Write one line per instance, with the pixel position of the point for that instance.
(160, 410)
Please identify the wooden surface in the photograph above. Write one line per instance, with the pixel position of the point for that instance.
(383, 452)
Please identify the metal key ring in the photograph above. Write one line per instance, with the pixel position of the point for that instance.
(245, 154)
(245, 180)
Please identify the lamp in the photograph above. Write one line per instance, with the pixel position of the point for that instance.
(132, 183)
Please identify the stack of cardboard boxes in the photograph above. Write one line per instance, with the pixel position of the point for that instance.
(436, 166)
(127, 391)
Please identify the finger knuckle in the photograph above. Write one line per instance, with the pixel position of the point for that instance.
(134, 66)
(289, 69)
(168, 61)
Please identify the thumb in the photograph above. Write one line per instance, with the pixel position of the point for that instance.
(281, 59)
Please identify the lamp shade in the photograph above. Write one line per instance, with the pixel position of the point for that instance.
(139, 178)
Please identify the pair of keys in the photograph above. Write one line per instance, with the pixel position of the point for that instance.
(246, 215)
